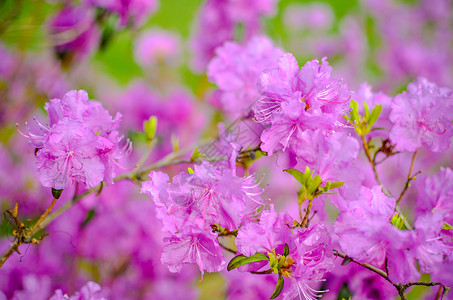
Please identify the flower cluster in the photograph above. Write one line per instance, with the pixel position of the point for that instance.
(192, 203)
(80, 143)
(294, 100)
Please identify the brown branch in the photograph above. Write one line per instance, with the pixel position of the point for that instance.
(401, 288)
(410, 177)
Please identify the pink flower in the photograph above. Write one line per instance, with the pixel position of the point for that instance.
(193, 246)
(81, 142)
(156, 46)
(293, 101)
(422, 117)
(236, 68)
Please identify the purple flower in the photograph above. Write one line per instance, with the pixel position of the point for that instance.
(81, 142)
(193, 245)
(217, 22)
(156, 46)
(270, 233)
(90, 291)
(73, 31)
(435, 194)
(131, 12)
(212, 195)
(293, 101)
(236, 68)
(69, 152)
(422, 117)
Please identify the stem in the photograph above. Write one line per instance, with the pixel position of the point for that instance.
(401, 288)
(365, 265)
(410, 177)
(149, 147)
(8, 252)
(368, 155)
(384, 190)
(38, 223)
(305, 220)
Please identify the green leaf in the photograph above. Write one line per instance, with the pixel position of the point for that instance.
(279, 287)
(196, 154)
(354, 112)
(375, 115)
(241, 260)
(286, 250)
(89, 217)
(302, 194)
(314, 184)
(150, 127)
(367, 111)
(397, 221)
(447, 226)
(336, 184)
(301, 177)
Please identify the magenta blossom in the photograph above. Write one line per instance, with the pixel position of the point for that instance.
(211, 195)
(236, 69)
(293, 101)
(193, 245)
(90, 291)
(81, 142)
(422, 116)
(156, 46)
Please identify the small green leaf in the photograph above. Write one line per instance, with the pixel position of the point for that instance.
(196, 154)
(56, 193)
(314, 184)
(375, 115)
(191, 171)
(286, 250)
(302, 194)
(354, 112)
(367, 110)
(241, 260)
(301, 177)
(397, 221)
(89, 217)
(279, 287)
(150, 127)
(336, 184)
(447, 226)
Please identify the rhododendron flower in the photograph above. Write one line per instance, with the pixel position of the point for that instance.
(218, 19)
(131, 12)
(193, 245)
(90, 291)
(269, 234)
(422, 116)
(73, 31)
(81, 142)
(293, 101)
(156, 46)
(235, 70)
(211, 194)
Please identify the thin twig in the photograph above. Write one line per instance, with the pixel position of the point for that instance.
(401, 288)
(410, 177)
